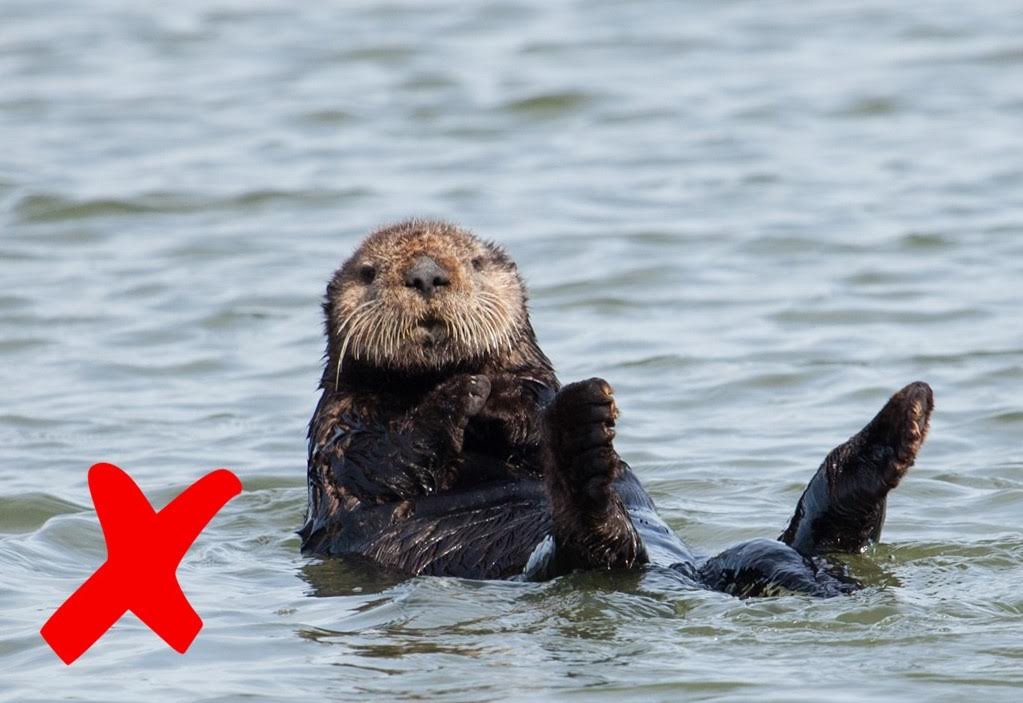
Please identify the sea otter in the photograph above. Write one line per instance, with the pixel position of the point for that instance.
(443, 442)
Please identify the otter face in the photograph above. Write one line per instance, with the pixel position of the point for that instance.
(421, 296)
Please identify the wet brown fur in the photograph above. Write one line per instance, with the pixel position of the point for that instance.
(428, 398)
(444, 444)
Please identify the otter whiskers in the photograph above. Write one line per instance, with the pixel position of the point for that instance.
(353, 323)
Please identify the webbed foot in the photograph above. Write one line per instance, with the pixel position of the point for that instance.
(843, 506)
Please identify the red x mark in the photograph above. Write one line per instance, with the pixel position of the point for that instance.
(144, 549)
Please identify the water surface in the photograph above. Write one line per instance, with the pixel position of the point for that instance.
(756, 219)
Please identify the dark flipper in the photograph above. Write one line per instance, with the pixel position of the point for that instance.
(764, 567)
(843, 506)
(592, 529)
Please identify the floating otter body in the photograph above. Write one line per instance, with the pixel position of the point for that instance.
(444, 444)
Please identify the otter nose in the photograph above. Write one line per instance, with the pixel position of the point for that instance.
(426, 275)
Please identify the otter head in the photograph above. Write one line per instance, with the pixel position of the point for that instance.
(420, 297)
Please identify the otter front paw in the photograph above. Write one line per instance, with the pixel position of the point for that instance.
(513, 408)
(581, 418)
(592, 528)
(466, 394)
(449, 406)
(580, 429)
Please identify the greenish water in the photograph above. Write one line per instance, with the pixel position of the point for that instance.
(756, 219)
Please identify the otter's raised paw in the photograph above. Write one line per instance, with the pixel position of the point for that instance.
(477, 390)
(579, 425)
(592, 529)
(446, 410)
(463, 396)
(581, 417)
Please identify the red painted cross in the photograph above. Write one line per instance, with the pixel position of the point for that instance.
(144, 549)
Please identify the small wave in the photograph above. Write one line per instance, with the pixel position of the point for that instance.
(549, 104)
(389, 55)
(27, 512)
(51, 208)
(872, 106)
(328, 117)
(668, 362)
(918, 241)
(25, 343)
(863, 316)
(39, 208)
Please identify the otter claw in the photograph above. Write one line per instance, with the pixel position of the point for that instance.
(478, 389)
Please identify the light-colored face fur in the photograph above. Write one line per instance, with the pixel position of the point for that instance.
(376, 315)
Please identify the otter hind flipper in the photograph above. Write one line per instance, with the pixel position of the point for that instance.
(764, 567)
(843, 506)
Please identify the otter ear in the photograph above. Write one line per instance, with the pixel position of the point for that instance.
(499, 255)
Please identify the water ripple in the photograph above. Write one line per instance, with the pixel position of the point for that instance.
(756, 224)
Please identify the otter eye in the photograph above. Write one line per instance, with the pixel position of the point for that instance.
(477, 263)
(367, 273)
